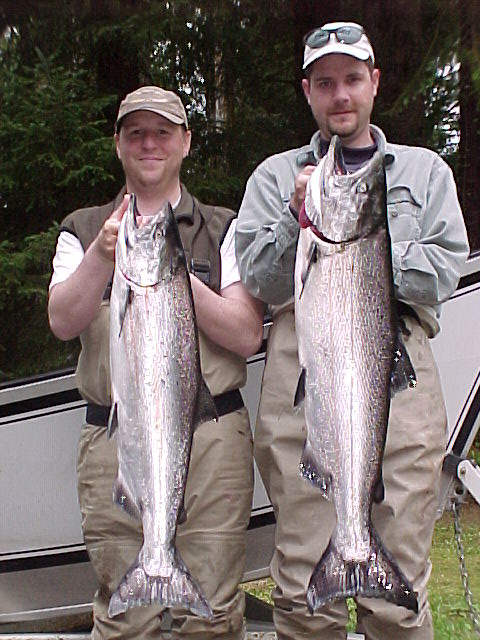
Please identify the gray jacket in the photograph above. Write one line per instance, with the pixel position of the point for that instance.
(429, 239)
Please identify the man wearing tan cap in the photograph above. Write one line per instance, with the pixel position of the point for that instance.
(429, 245)
(152, 139)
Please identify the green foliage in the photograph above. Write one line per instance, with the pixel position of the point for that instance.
(27, 346)
(474, 453)
(449, 609)
(414, 42)
(54, 152)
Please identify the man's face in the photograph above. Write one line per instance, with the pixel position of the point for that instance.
(151, 150)
(341, 91)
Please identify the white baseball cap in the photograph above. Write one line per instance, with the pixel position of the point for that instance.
(348, 38)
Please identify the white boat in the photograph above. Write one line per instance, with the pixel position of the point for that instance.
(45, 574)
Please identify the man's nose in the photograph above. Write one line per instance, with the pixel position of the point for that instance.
(341, 92)
(149, 139)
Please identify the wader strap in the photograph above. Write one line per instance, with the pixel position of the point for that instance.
(225, 403)
(196, 244)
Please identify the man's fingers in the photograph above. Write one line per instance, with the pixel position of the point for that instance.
(304, 176)
(301, 186)
(107, 238)
(309, 169)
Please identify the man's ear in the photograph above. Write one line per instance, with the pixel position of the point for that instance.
(117, 147)
(306, 88)
(375, 80)
(187, 141)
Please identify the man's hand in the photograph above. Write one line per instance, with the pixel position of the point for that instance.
(298, 196)
(107, 238)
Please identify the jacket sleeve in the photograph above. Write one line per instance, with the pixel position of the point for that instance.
(267, 232)
(427, 267)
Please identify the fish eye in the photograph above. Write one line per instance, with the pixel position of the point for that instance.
(362, 187)
(159, 231)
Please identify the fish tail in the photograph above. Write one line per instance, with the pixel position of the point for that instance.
(377, 577)
(174, 588)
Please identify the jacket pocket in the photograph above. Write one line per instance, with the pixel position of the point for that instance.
(404, 211)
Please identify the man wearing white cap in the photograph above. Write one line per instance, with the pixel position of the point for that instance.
(152, 138)
(429, 245)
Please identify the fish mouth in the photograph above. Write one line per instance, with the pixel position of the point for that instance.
(338, 162)
(333, 166)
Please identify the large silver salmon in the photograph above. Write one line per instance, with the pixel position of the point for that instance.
(347, 337)
(158, 397)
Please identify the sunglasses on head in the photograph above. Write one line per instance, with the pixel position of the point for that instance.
(318, 38)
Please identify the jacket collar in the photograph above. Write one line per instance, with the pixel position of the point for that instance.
(383, 145)
(186, 207)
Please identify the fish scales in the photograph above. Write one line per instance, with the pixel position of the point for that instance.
(155, 402)
(159, 396)
(345, 354)
(346, 329)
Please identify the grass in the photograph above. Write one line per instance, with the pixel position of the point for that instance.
(449, 609)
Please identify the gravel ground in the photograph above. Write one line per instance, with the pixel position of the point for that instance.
(251, 635)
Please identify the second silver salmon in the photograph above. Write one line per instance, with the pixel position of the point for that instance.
(347, 336)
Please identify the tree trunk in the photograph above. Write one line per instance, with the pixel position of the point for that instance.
(468, 178)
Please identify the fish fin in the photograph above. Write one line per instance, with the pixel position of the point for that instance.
(300, 392)
(123, 497)
(311, 470)
(123, 307)
(379, 490)
(311, 259)
(182, 514)
(205, 409)
(112, 420)
(163, 580)
(403, 374)
(378, 577)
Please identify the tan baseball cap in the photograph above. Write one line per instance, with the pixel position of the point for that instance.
(155, 99)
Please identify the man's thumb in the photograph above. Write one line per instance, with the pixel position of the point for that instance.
(118, 213)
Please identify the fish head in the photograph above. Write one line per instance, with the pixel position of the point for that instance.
(345, 206)
(149, 249)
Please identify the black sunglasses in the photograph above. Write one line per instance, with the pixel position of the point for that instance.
(318, 38)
